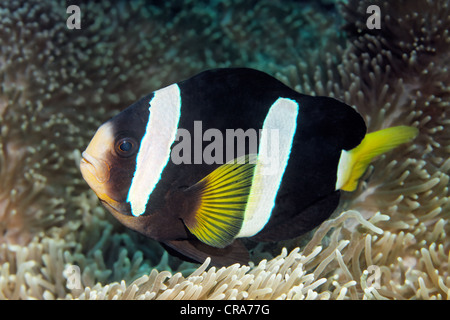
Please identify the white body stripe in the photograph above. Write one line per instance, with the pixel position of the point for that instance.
(154, 150)
(275, 147)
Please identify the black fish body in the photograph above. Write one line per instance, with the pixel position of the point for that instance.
(176, 182)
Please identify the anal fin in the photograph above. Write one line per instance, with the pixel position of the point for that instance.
(302, 222)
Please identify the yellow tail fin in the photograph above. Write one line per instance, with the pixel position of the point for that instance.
(354, 163)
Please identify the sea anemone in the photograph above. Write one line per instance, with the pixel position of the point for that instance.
(387, 240)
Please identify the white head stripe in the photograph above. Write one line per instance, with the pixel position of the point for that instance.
(275, 147)
(154, 150)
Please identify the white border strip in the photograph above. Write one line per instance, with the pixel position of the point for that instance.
(154, 150)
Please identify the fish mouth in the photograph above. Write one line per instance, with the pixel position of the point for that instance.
(96, 172)
(92, 167)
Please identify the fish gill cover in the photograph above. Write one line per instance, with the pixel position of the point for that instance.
(387, 240)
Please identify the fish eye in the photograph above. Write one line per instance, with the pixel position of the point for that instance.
(126, 147)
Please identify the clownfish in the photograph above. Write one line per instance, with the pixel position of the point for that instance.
(227, 154)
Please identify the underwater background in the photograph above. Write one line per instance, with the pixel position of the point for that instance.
(387, 240)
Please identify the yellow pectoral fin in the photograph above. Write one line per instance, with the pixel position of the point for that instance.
(223, 196)
(354, 163)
